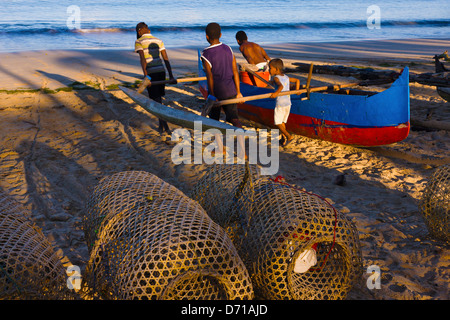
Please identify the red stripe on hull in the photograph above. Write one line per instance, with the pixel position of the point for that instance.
(328, 130)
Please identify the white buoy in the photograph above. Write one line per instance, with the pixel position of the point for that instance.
(305, 260)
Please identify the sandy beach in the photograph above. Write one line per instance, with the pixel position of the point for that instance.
(65, 125)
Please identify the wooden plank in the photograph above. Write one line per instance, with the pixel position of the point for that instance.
(175, 116)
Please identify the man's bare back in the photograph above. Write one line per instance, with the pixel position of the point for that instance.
(253, 52)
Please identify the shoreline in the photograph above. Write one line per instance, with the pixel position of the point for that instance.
(280, 43)
(360, 50)
(55, 147)
(54, 69)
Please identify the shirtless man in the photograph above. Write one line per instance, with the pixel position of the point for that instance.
(255, 55)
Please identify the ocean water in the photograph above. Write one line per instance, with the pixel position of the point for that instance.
(81, 24)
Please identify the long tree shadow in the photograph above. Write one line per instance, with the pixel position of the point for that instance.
(57, 191)
(96, 57)
(77, 152)
(116, 111)
(134, 128)
(48, 169)
(137, 76)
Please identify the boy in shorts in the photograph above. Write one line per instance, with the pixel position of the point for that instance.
(283, 103)
(222, 74)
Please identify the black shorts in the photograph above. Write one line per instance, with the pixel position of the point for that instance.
(157, 91)
(230, 110)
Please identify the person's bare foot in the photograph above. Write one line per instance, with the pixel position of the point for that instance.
(288, 142)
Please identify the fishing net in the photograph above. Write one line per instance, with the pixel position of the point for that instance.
(29, 265)
(273, 224)
(153, 242)
(435, 203)
(226, 193)
(285, 224)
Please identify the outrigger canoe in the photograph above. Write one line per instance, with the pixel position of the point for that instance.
(176, 116)
(358, 120)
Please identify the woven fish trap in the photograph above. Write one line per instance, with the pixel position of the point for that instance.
(226, 194)
(162, 246)
(29, 266)
(435, 203)
(117, 193)
(284, 223)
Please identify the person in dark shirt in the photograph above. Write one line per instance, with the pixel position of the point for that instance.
(222, 74)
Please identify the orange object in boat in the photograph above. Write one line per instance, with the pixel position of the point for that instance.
(250, 79)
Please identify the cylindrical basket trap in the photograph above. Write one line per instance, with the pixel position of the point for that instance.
(285, 224)
(155, 243)
(435, 203)
(226, 194)
(275, 227)
(119, 193)
(30, 269)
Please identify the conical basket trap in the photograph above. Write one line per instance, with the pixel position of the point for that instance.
(156, 243)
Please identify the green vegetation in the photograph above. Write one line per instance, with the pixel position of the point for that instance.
(92, 85)
(112, 87)
(386, 65)
(360, 67)
(20, 91)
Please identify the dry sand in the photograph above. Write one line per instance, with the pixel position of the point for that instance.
(55, 146)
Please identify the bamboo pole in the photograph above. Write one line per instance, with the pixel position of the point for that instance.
(285, 93)
(257, 76)
(177, 80)
(308, 82)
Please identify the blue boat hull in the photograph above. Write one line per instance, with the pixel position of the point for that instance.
(366, 121)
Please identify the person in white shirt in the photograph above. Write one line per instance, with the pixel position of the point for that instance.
(152, 54)
(283, 103)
